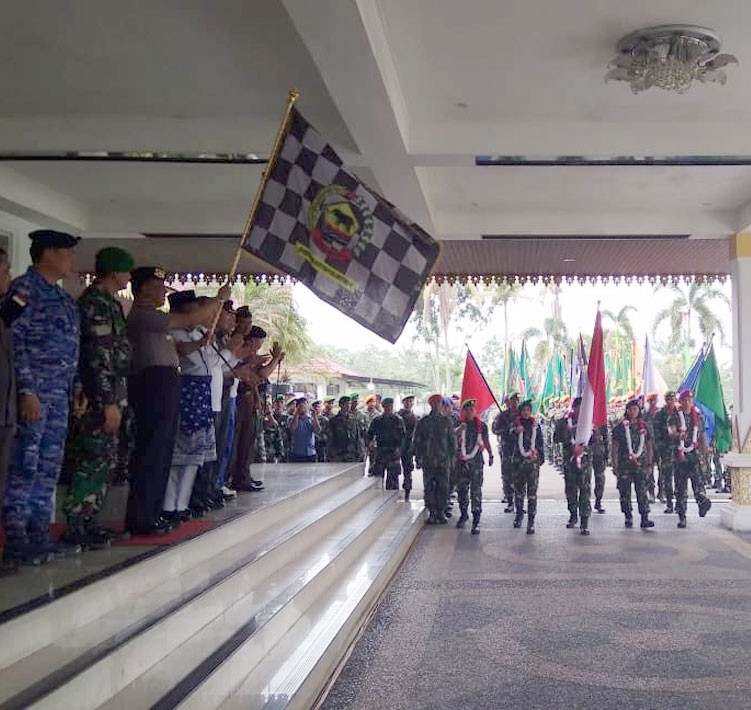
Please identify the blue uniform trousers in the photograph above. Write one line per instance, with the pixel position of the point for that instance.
(35, 466)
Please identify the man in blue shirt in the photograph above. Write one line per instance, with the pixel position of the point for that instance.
(302, 428)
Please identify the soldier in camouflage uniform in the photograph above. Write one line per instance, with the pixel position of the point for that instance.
(408, 452)
(343, 434)
(473, 440)
(686, 431)
(387, 430)
(527, 457)
(324, 418)
(502, 425)
(577, 469)
(94, 440)
(46, 338)
(272, 437)
(362, 426)
(664, 451)
(632, 453)
(435, 449)
(599, 447)
(370, 413)
(650, 410)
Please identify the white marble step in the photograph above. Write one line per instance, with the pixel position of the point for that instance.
(131, 586)
(298, 668)
(148, 622)
(259, 619)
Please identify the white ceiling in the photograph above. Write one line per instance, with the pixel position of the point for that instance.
(384, 81)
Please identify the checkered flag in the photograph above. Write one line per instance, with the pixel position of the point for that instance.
(317, 222)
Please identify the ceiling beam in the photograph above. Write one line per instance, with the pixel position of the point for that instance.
(348, 44)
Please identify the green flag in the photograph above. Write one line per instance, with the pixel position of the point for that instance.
(524, 371)
(708, 392)
(547, 390)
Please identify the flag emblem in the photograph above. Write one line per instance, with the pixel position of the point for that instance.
(340, 223)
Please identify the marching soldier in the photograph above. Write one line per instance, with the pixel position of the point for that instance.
(362, 426)
(664, 451)
(389, 434)
(502, 426)
(94, 442)
(473, 440)
(632, 452)
(527, 457)
(435, 450)
(408, 452)
(599, 447)
(650, 410)
(686, 431)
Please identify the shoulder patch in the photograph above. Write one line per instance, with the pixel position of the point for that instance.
(11, 307)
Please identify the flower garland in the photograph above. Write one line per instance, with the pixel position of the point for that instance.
(531, 453)
(634, 456)
(479, 445)
(682, 448)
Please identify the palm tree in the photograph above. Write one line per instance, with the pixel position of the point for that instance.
(691, 308)
(273, 308)
(623, 329)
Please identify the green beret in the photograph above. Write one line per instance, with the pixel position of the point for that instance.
(112, 260)
(387, 400)
(329, 400)
(354, 395)
(344, 399)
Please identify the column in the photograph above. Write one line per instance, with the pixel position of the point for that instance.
(737, 514)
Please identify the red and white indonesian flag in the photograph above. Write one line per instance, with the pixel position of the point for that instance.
(593, 412)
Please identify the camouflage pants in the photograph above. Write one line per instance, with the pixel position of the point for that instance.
(666, 466)
(507, 478)
(526, 480)
(598, 466)
(686, 470)
(578, 483)
(274, 443)
(469, 485)
(94, 458)
(35, 466)
(386, 462)
(408, 465)
(435, 482)
(636, 475)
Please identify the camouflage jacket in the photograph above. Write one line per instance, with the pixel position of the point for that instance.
(660, 429)
(410, 420)
(686, 437)
(343, 438)
(435, 441)
(620, 443)
(531, 437)
(389, 434)
(470, 435)
(105, 348)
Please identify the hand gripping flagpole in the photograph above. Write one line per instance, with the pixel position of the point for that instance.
(293, 95)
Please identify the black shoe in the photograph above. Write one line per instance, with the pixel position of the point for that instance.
(462, 520)
(256, 485)
(475, 524)
(584, 527)
(509, 508)
(682, 522)
(530, 528)
(161, 526)
(518, 520)
(48, 549)
(704, 505)
(669, 509)
(86, 540)
(646, 522)
(194, 512)
(629, 522)
(20, 554)
(598, 507)
(447, 512)
(572, 521)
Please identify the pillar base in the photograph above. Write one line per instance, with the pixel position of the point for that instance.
(736, 517)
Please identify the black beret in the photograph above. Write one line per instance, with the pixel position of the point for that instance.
(142, 274)
(243, 312)
(256, 331)
(50, 239)
(181, 298)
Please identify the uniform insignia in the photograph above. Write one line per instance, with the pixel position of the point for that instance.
(11, 307)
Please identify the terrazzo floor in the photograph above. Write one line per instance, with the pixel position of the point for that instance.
(620, 619)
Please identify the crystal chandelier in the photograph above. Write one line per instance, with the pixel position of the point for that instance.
(669, 57)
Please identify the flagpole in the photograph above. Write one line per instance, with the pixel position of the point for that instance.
(273, 157)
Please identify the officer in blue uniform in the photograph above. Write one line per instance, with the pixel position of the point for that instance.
(46, 335)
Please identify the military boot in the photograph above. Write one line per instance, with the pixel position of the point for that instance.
(646, 522)
(81, 531)
(669, 508)
(598, 506)
(629, 520)
(518, 519)
(463, 518)
(681, 521)
(584, 527)
(704, 505)
(475, 523)
(18, 551)
(572, 521)
(49, 549)
(509, 507)
(531, 524)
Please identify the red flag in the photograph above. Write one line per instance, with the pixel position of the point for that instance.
(593, 411)
(596, 372)
(475, 386)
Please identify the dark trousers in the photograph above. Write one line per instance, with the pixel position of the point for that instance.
(154, 395)
(294, 458)
(204, 487)
(6, 445)
(245, 442)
